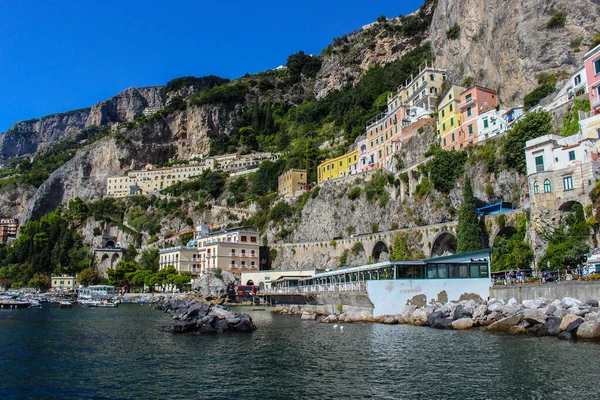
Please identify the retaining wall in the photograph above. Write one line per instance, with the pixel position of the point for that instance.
(582, 290)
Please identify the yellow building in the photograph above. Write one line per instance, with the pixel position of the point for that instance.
(338, 167)
(291, 183)
(449, 111)
(63, 283)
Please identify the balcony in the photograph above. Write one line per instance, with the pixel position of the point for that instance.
(595, 102)
(469, 103)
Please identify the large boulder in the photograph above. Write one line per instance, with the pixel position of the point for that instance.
(592, 303)
(570, 322)
(551, 327)
(568, 302)
(462, 323)
(504, 324)
(460, 312)
(480, 312)
(535, 316)
(533, 304)
(566, 335)
(306, 316)
(442, 323)
(589, 330)
(418, 317)
(407, 311)
(433, 316)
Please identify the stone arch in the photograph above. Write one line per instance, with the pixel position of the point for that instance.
(110, 244)
(104, 257)
(505, 232)
(444, 242)
(114, 259)
(380, 249)
(567, 205)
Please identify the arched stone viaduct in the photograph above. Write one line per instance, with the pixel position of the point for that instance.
(436, 240)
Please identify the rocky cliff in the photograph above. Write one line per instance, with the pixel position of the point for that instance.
(504, 44)
(124, 106)
(26, 136)
(374, 44)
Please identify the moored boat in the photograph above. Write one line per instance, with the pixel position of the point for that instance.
(65, 304)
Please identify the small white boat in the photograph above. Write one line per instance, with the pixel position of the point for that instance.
(65, 304)
(35, 304)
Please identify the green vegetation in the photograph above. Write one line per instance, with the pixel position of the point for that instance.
(547, 85)
(512, 251)
(222, 94)
(571, 120)
(595, 40)
(266, 178)
(357, 248)
(567, 244)
(444, 169)
(45, 247)
(302, 64)
(530, 126)
(469, 230)
(209, 184)
(558, 20)
(344, 259)
(453, 32)
(354, 193)
(197, 84)
(375, 189)
(407, 247)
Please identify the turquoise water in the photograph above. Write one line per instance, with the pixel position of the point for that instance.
(121, 354)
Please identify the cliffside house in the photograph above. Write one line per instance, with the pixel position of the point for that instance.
(235, 250)
(591, 62)
(291, 183)
(561, 170)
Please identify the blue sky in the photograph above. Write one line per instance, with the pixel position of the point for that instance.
(62, 55)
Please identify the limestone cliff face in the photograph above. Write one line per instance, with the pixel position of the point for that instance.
(375, 44)
(85, 174)
(504, 44)
(26, 136)
(124, 106)
(191, 129)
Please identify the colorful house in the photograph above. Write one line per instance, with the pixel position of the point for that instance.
(449, 117)
(591, 62)
(338, 167)
(478, 119)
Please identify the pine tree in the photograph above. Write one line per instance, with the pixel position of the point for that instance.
(469, 231)
(268, 128)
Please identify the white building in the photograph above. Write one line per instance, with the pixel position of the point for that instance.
(236, 250)
(561, 170)
(491, 124)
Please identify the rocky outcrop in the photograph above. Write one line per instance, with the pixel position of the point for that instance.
(13, 200)
(195, 317)
(537, 318)
(26, 136)
(124, 106)
(85, 175)
(504, 44)
(378, 43)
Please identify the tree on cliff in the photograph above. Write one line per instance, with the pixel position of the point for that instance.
(530, 126)
(469, 231)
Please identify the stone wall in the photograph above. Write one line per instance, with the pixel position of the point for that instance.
(583, 290)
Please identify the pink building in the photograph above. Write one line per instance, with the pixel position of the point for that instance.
(591, 62)
(473, 103)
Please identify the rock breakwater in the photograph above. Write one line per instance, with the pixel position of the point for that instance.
(566, 319)
(198, 317)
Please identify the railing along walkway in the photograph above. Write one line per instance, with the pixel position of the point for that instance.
(332, 288)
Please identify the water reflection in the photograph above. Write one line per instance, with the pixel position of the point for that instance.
(121, 353)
